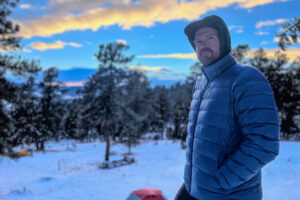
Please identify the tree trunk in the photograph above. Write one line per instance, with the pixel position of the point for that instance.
(105, 125)
(43, 146)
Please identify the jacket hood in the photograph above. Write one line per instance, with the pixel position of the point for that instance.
(214, 22)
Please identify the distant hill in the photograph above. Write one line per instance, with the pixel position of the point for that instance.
(78, 74)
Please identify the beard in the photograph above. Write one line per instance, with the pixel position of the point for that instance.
(207, 56)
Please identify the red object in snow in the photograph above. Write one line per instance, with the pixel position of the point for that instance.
(146, 194)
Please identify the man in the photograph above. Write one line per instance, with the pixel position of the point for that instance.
(233, 129)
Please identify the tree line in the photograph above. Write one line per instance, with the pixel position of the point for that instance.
(116, 103)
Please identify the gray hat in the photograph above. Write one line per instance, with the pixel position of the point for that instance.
(214, 22)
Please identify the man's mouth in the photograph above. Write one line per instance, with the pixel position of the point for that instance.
(205, 51)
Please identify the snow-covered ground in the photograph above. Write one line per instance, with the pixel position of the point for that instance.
(62, 174)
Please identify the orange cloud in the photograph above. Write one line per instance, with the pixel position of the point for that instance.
(41, 46)
(74, 84)
(148, 68)
(173, 55)
(253, 3)
(292, 53)
(94, 14)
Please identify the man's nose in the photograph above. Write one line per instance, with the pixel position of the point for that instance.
(203, 44)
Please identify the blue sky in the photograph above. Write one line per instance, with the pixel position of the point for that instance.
(66, 33)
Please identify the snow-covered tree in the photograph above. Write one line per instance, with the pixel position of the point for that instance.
(283, 80)
(195, 71)
(289, 33)
(100, 92)
(15, 65)
(135, 105)
(48, 116)
(70, 123)
(239, 53)
(160, 110)
(25, 113)
(181, 95)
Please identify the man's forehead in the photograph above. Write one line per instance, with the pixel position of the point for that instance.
(206, 30)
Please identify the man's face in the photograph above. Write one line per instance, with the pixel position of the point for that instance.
(207, 45)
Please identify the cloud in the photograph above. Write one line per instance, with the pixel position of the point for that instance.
(148, 68)
(261, 33)
(264, 42)
(173, 55)
(67, 15)
(178, 73)
(26, 50)
(25, 6)
(41, 46)
(270, 22)
(121, 41)
(276, 39)
(292, 53)
(159, 72)
(253, 3)
(237, 29)
(73, 44)
(73, 83)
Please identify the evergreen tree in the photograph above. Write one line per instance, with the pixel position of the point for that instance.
(240, 52)
(70, 122)
(283, 80)
(134, 103)
(25, 113)
(13, 64)
(49, 119)
(100, 93)
(161, 110)
(181, 95)
(289, 34)
(195, 72)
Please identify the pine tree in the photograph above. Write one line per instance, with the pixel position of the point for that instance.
(283, 80)
(239, 53)
(49, 120)
(289, 33)
(13, 64)
(195, 72)
(181, 95)
(161, 110)
(70, 123)
(100, 93)
(134, 104)
(25, 113)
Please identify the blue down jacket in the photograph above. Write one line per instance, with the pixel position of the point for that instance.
(233, 131)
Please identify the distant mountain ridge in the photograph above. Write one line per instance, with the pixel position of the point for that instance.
(79, 74)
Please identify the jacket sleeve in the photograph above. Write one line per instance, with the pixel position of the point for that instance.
(257, 118)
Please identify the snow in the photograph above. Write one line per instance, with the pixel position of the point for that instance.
(70, 170)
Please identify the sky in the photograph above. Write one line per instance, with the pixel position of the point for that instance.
(67, 33)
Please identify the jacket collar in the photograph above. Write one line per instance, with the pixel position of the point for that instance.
(213, 70)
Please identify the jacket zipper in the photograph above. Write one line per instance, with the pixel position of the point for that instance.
(194, 132)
